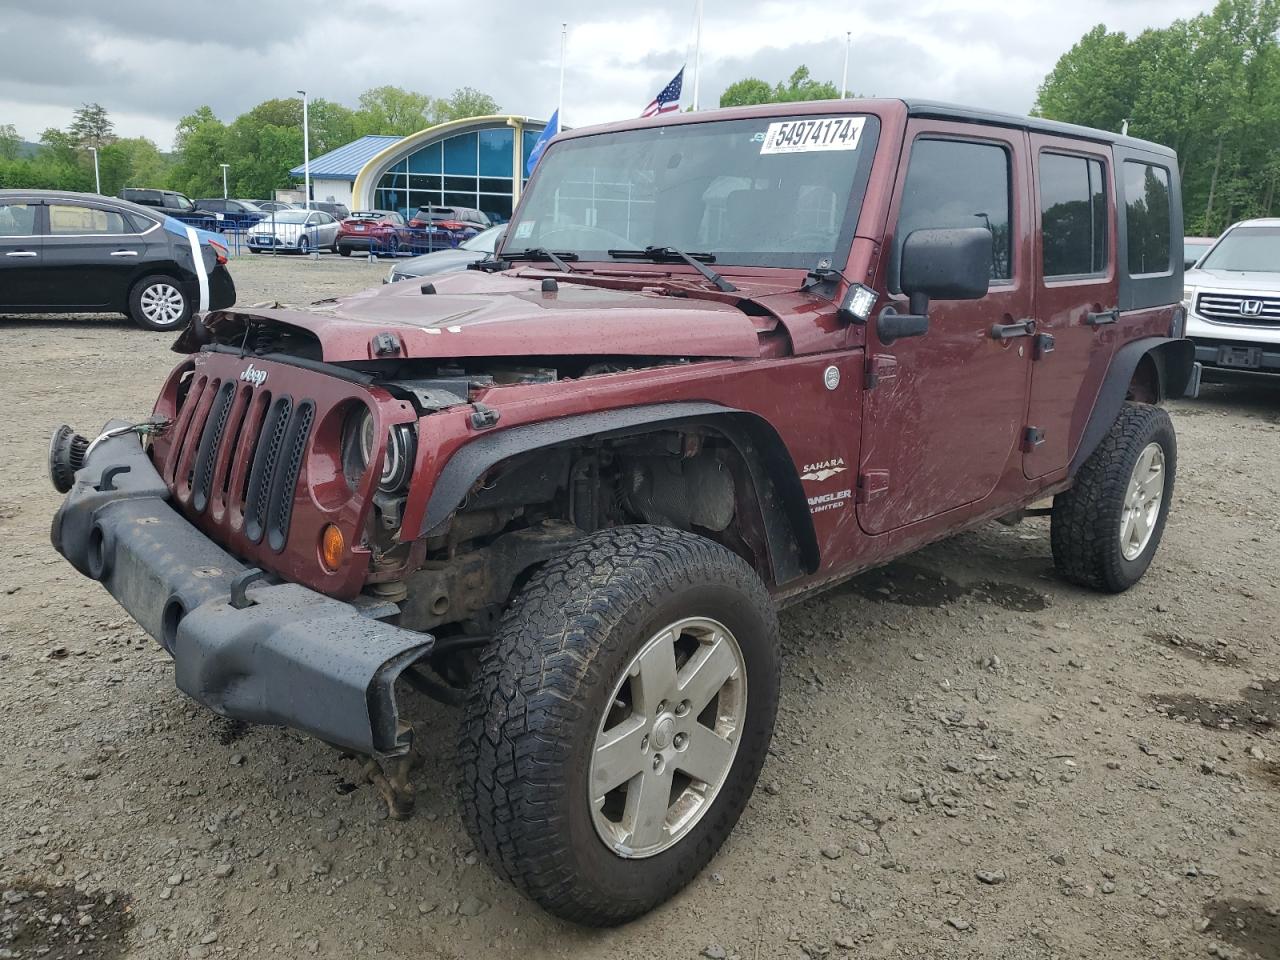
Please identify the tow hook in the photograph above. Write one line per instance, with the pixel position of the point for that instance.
(390, 777)
(483, 417)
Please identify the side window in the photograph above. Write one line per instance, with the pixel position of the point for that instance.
(17, 219)
(1073, 216)
(68, 220)
(959, 183)
(1147, 223)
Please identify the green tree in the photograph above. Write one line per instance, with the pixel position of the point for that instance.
(1094, 82)
(462, 103)
(393, 111)
(200, 145)
(91, 126)
(131, 162)
(800, 86)
(10, 142)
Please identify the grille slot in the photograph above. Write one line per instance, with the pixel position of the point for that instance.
(210, 443)
(188, 424)
(265, 459)
(280, 506)
(1230, 308)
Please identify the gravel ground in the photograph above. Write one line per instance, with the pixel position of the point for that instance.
(972, 758)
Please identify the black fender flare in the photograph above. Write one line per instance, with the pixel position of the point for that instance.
(1174, 360)
(788, 525)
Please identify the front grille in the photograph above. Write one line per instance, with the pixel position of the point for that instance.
(238, 450)
(1239, 308)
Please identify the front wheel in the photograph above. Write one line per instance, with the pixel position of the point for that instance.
(1105, 530)
(159, 303)
(345, 251)
(618, 721)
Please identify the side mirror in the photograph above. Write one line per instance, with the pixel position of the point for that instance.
(951, 263)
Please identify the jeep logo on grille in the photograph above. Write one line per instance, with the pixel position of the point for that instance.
(254, 376)
(1250, 308)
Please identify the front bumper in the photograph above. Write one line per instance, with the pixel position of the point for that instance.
(287, 656)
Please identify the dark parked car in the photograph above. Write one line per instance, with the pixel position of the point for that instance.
(338, 211)
(461, 223)
(374, 231)
(446, 261)
(170, 201)
(234, 214)
(82, 253)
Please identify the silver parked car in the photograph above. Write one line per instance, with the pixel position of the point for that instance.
(446, 261)
(301, 231)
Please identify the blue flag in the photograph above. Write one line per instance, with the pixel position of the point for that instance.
(553, 127)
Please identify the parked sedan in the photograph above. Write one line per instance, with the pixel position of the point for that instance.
(446, 261)
(82, 253)
(461, 223)
(300, 231)
(373, 231)
(273, 206)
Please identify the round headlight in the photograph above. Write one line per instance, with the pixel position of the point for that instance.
(358, 445)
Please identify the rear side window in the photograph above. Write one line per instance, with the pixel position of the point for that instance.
(69, 220)
(17, 219)
(959, 183)
(1147, 218)
(1073, 216)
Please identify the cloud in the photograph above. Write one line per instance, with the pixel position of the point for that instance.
(151, 61)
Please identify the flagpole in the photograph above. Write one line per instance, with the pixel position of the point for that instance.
(564, 37)
(844, 77)
(697, 53)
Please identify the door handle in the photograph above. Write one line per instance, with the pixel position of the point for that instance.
(1007, 331)
(1103, 318)
(22, 253)
(124, 253)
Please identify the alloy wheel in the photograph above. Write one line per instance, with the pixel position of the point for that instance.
(162, 304)
(1142, 501)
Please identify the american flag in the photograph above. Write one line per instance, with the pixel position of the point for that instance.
(668, 99)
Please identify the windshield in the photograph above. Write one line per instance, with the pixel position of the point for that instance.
(486, 241)
(772, 191)
(1246, 249)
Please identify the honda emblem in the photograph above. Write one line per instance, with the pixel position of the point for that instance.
(1250, 308)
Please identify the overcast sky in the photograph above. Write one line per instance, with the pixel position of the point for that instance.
(151, 61)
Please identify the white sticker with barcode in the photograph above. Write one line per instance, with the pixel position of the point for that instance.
(808, 136)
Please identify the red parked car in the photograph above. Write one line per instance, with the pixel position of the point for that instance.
(374, 231)
(568, 489)
(459, 223)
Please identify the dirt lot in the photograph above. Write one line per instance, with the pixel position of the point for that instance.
(972, 758)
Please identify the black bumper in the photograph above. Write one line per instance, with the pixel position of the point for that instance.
(291, 657)
(1219, 354)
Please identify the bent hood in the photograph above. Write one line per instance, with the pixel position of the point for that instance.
(502, 315)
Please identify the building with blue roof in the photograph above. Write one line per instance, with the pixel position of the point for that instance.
(476, 162)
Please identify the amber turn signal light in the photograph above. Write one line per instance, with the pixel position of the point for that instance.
(332, 546)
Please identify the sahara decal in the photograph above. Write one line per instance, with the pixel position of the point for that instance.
(824, 470)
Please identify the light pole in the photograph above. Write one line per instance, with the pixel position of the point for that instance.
(306, 153)
(224, 179)
(97, 179)
(844, 77)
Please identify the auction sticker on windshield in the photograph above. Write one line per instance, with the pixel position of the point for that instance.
(807, 136)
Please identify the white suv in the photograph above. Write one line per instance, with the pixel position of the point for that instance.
(1232, 299)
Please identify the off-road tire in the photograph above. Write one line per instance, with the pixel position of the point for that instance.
(539, 696)
(1085, 525)
(139, 315)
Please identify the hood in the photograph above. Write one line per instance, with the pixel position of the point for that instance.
(474, 314)
(440, 261)
(1236, 281)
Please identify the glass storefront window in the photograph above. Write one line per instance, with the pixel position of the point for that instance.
(460, 155)
(495, 152)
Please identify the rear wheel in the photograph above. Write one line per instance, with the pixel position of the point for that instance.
(345, 251)
(304, 246)
(619, 720)
(1105, 530)
(159, 303)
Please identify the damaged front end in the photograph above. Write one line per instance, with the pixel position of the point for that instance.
(248, 650)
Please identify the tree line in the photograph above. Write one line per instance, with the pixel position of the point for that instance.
(1209, 87)
(261, 145)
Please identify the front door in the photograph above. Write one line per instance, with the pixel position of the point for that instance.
(944, 415)
(91, 255)
(1075, 294)
(20, 248)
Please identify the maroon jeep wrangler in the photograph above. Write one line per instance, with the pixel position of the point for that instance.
(721, 361)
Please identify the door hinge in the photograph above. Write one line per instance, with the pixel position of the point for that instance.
(1032, 438)
(871, 484)
(880, 367)
(1044, 345)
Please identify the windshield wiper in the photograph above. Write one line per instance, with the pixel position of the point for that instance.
(698, 261)
(538, 253)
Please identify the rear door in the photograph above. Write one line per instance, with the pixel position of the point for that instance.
(944, 413)
(1076, 290)
(20, 254)
(91, 255)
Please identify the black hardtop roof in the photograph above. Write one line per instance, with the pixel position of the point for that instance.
(950, 111)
